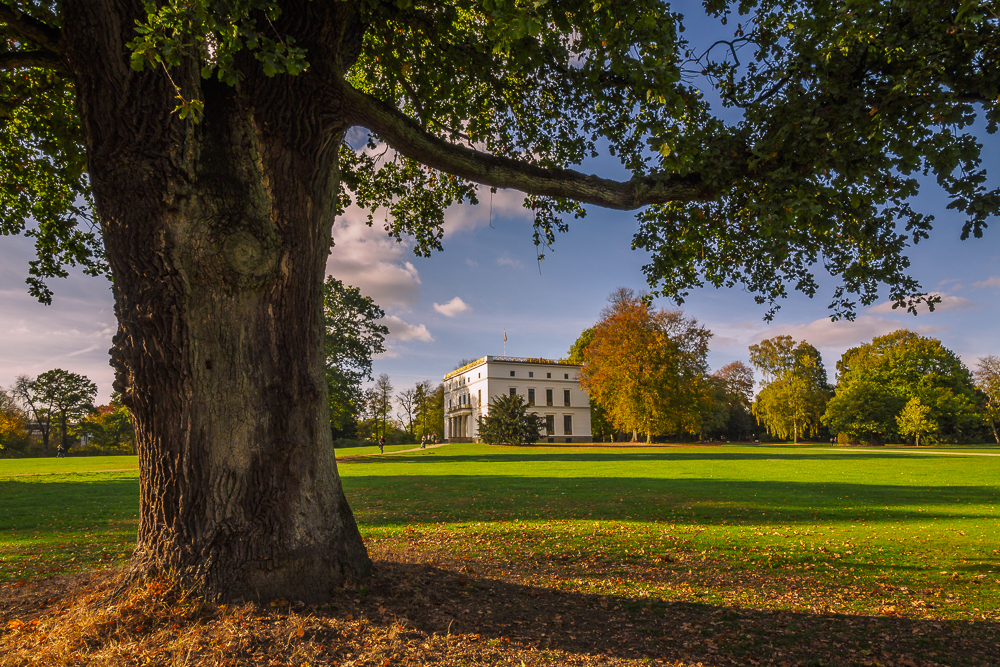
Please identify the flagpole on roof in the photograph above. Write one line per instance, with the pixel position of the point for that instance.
(505, 342)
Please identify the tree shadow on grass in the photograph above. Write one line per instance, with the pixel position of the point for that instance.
(457, 601)
(84, 503)
(711, 501)
(652, 454)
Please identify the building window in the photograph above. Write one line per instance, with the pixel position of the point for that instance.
(567, 424)
(449, 404)
(479, 397)
(548, 375)
(531, 397)
(531, 374)
(565, 376)
(566, 397)
(513, 391)
(512, 373)
(548, 397)
(550, 425)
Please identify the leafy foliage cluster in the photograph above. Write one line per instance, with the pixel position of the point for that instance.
(795, 392)
(728, 410)
(646, 367)
(353, 336)
(903, 371)
(843, 106)
(56, 399)
(837, 111)
(508, 422)
(108, 428)
(13, 425)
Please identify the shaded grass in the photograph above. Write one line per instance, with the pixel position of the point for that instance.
(63, 522)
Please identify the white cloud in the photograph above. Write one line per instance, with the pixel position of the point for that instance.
(367, 258)
(471, 262)
(843, 334)
(403, 331)
(454, 307)
(507, 260)
(506, 204)
(948, 302)
(992, 281)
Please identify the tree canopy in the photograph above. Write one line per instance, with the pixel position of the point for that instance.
(838, 109)
(733, 401)
(795, 390)
(646, 367)
(878, 379)
(353, 336)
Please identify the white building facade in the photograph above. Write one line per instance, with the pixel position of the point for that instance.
(550, 388)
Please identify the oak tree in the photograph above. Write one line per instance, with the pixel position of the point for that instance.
(197, 150)
(600, 426)
(354, 335)
(56, 398)
(876, 380)
(735, 395)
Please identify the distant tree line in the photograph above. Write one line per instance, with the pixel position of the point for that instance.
(647, 374)
(56, 410)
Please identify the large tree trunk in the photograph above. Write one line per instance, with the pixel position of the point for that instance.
(218, 235)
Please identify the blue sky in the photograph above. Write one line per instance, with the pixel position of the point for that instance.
(458, 303)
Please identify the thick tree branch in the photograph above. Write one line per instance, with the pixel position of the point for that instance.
(407, 137)
(19, 59)
(31, 28)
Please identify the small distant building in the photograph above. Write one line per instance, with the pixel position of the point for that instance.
(550, 388)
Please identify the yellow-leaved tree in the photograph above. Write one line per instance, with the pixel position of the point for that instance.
(647, 367)
(795, 391)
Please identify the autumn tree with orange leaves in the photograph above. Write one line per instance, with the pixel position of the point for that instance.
(647, 367)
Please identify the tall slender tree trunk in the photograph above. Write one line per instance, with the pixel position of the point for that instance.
(217, 234)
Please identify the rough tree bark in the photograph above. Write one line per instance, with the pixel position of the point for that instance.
(218, 235)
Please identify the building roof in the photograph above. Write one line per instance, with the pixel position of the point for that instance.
(516, 360)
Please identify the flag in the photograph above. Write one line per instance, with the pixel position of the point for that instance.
(505, 335)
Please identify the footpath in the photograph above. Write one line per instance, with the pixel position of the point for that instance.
(872, 450)
(395, 451)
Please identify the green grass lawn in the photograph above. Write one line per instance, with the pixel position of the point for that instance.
(849, 530)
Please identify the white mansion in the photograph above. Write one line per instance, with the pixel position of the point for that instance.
(551, 388)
